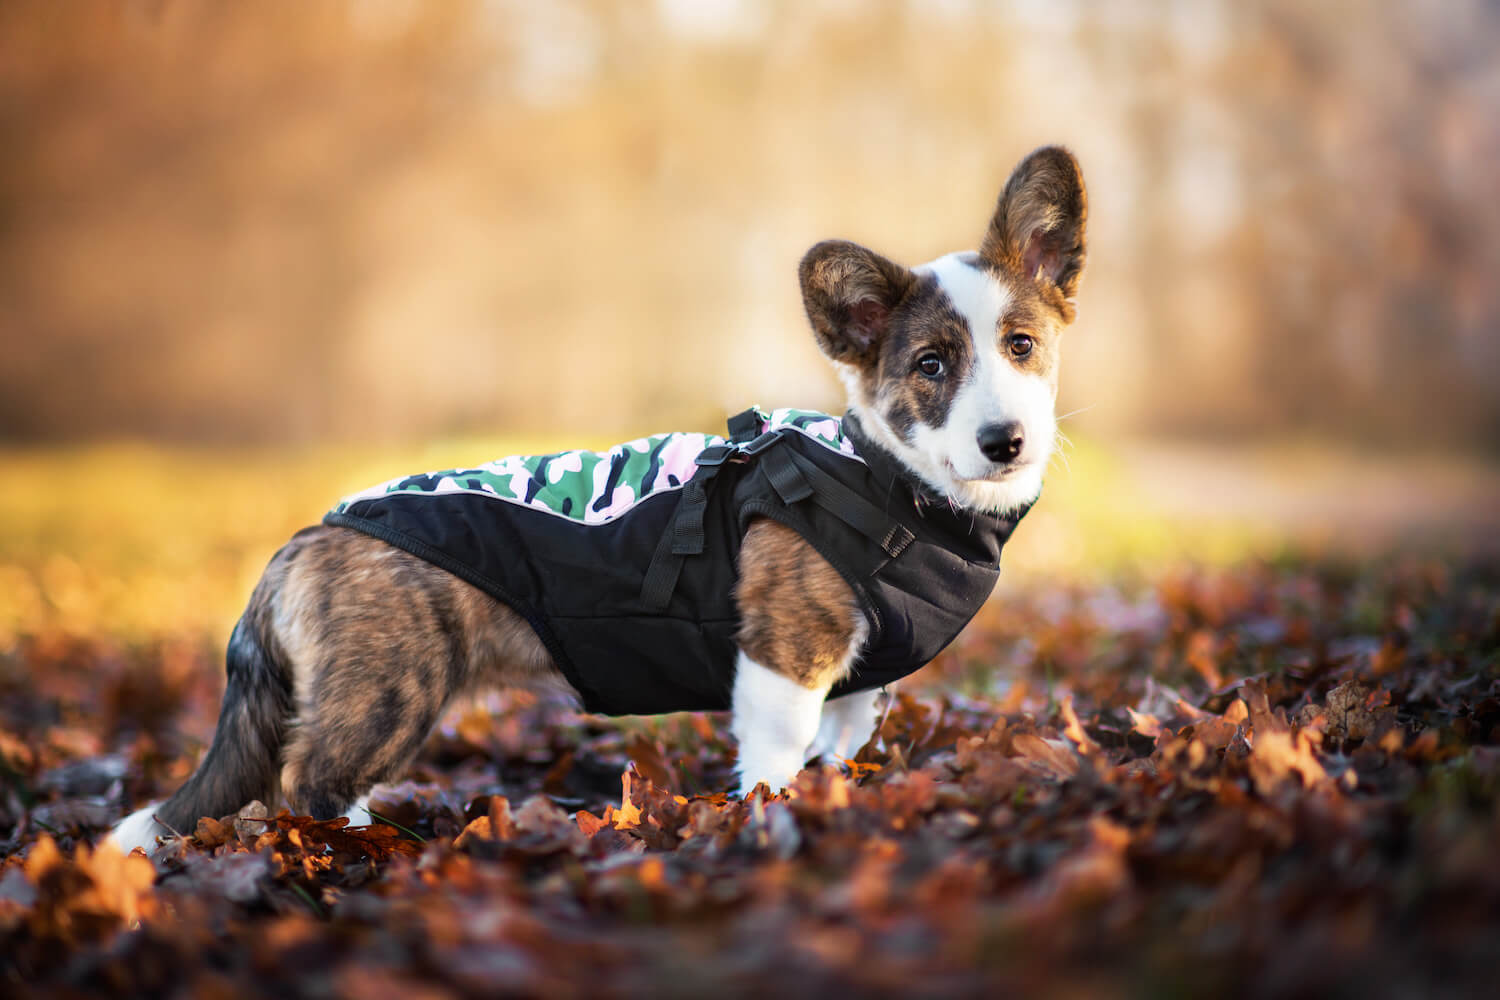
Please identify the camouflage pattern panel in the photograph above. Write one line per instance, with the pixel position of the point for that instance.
(594, 487)
(827, 431)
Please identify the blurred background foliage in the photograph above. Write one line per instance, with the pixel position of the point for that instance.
(355, 218)
(255, 255)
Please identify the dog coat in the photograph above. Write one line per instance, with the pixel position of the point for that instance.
(624, 562)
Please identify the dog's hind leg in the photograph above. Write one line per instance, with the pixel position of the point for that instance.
(243, 760)
(348, 652)
(383, 641)
(332, 766)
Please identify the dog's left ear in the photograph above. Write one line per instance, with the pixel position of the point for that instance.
(1038, 229)
(850, 293)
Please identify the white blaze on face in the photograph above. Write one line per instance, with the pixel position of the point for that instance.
(995, 391)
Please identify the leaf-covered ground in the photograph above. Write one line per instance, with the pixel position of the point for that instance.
(1277, 778)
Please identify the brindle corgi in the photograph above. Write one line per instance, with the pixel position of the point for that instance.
(824, 565)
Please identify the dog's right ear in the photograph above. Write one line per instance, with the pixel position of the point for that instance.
(850, 293)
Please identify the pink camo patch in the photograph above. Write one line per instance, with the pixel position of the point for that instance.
(677, 459)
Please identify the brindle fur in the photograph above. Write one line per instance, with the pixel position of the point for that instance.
(926, 323)
(796, 611)
(346, 657)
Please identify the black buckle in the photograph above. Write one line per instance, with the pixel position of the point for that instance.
(714, 454)
(761, 443)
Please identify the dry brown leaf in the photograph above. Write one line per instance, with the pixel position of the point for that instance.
(539, 816)
(1074, 729)
(502, 824)
(629, 814)
(590, 824)
(1051, 758)
(1358, 711)
(90, 893)
(1202, 656)
(211, 833)
(478, 829)
(1278, 754)
(1262, 719)
(1216, 731)
(1144, 723)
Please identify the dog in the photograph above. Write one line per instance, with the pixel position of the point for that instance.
(787, 571)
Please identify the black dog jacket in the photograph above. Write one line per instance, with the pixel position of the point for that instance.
(624, 562)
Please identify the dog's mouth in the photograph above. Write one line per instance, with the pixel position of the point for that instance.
(996, 474)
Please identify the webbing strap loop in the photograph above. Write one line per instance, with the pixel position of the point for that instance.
(687, 525)
(761, 443)
(744, 426)
(787, 479)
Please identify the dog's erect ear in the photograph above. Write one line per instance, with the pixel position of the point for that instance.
(1038, 229)
(850, 293)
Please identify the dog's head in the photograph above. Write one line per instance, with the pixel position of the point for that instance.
(953, 366)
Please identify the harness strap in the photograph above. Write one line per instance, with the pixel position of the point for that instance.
(786, 476)
(661, 575)
(687, 526)
(794, 479)
(684, 535)
(786, 466)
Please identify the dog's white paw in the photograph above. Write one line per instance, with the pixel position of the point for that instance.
(776, 770)
(359, 813)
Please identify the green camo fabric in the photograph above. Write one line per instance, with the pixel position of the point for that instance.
(597, 486)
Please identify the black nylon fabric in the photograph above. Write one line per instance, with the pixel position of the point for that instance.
(579, 585)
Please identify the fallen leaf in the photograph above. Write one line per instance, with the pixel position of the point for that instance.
(1144, 723)
(1074, 730)
(1050, 758)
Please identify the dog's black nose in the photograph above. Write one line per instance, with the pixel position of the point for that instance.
(1002, 442)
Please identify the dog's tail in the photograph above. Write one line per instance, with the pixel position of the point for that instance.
(243, 762)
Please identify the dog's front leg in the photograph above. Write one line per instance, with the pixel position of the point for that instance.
(775, 718)
(846, 726)
(801, 629)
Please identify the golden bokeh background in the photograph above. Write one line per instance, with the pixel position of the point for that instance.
(293, 221)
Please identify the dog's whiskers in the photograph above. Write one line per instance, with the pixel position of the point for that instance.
(1061, 444)
(1074, 413)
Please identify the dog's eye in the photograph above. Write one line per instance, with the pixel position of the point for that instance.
(930, 365)
(1019, 345)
